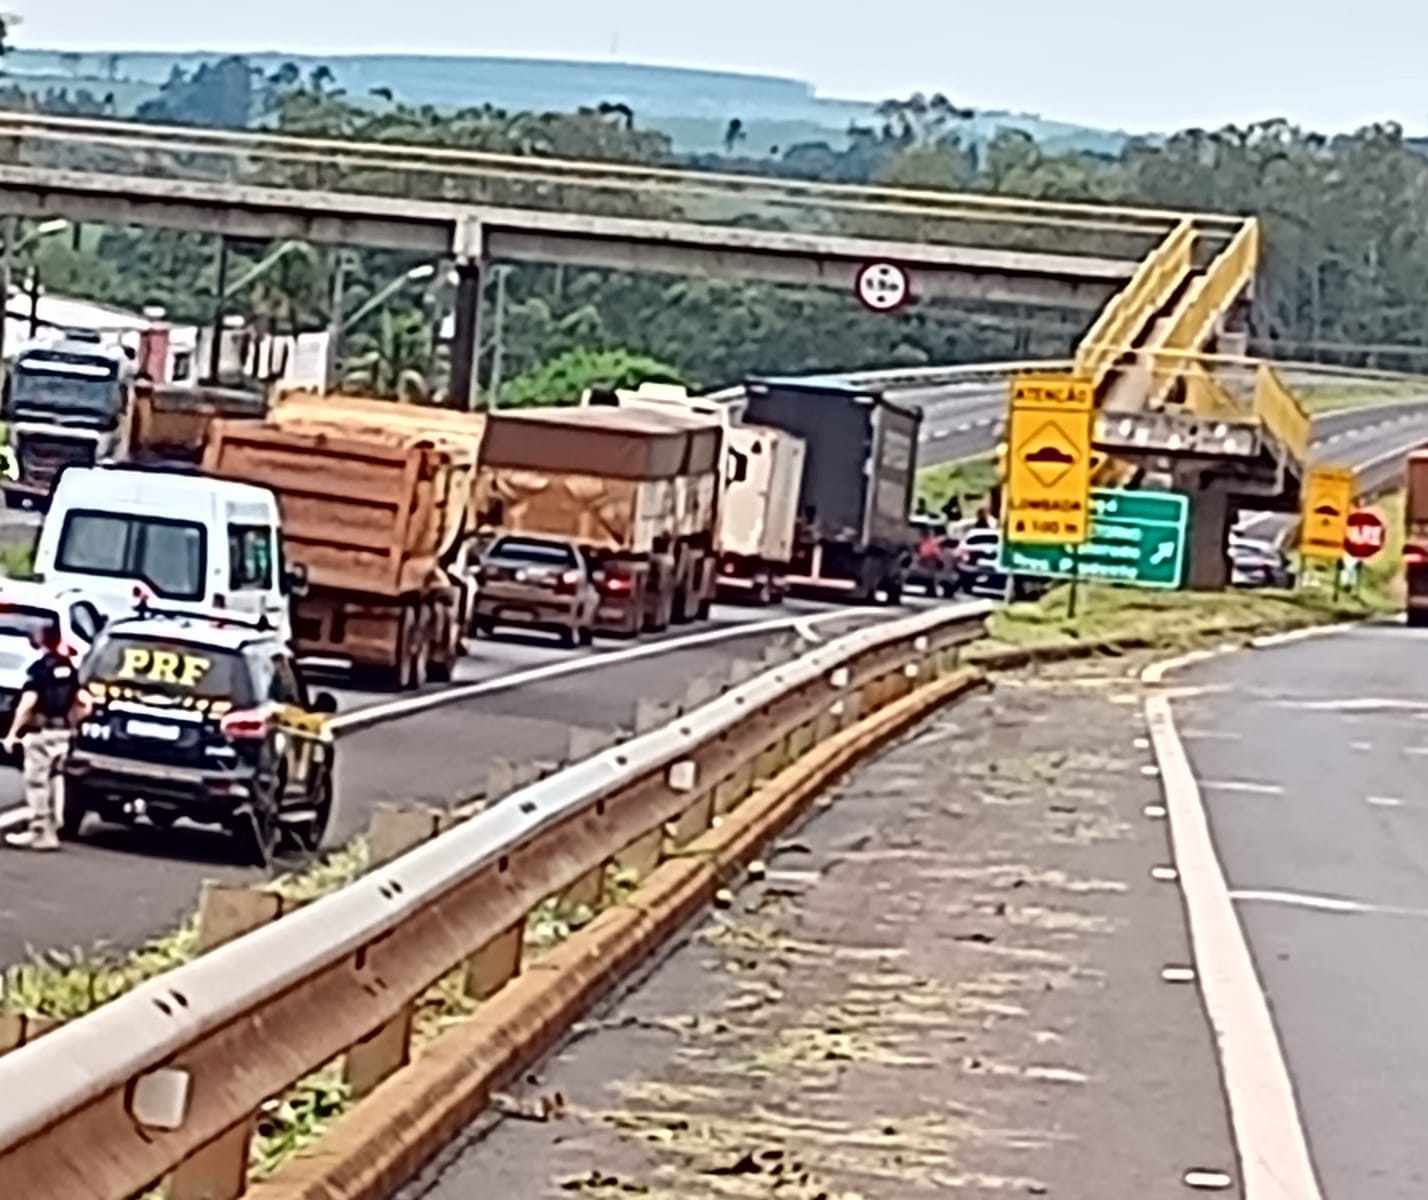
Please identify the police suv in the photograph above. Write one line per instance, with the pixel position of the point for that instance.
(206, 718)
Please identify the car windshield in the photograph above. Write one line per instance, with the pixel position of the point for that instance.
(167, 556)
(170, 667)
(524, 550)
(25, 620)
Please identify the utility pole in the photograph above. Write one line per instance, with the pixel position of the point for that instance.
(498, 345)
(34, 301)
(215, 352)
(7, 232)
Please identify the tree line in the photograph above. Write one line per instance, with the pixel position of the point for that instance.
(1346, 262)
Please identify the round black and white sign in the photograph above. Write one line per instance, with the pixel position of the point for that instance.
(883, 287)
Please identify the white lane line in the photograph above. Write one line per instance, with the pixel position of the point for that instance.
(1363, 704)
(1273, 1150)
(1297, 635)
(377, 714)
(1242, 786)
(1325, 904)
(13, 816)
(1212, 735)
(965, 427)
(939, 434)
(1384, 801)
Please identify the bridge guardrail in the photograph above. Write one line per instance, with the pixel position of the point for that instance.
(1280, 412)
(175, 1071)
(462, 175)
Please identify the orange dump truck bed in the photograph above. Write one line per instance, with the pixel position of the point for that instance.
(172, 422)
(369, 510)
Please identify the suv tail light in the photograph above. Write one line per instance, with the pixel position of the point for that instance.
(568, 582)
(1414, 556)
(252, 725)
(617, 585)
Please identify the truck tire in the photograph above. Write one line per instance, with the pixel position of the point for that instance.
(1417, 618)
(75, 805)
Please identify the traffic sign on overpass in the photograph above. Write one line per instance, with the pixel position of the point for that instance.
(1137, 538)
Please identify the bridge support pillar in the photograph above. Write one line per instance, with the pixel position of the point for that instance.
(466, 341)
(1211, 516)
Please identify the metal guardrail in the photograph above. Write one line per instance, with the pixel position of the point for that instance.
(1280, 412)
(895, 378)
(173, 1073)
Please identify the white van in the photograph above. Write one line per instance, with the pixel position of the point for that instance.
(183, 542)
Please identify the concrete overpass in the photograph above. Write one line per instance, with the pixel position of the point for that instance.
(474, 235)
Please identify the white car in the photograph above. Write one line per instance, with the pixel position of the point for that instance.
(25, 609)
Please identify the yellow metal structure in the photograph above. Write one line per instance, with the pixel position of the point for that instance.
(1280, 412)
(1328, 500)
(1130, 311)
(1049, 440)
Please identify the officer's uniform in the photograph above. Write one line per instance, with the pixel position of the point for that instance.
(53, 679)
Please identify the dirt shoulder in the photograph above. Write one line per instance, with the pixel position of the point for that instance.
(948, 982)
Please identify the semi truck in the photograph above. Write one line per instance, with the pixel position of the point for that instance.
(374, 508)
(636, 490)
(68, 401)
(762, 469)
(1415, 539)
(857, 482)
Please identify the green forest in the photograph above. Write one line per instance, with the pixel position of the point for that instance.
(1345, 278)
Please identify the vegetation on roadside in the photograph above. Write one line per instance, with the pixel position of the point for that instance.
(968, 479)
(1339, 396)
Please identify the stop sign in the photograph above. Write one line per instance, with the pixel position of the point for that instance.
(1364, 534)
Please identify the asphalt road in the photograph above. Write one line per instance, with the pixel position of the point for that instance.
(1310, 760)
(122, 885)
(946, 984)
(959, 421)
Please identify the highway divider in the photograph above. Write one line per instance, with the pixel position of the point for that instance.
(167, 1080)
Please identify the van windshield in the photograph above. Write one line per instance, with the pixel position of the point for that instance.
(166, 556)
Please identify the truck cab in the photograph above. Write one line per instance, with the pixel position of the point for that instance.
(185, 542)
(68, 401)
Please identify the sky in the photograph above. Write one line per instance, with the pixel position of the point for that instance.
(1124, 64)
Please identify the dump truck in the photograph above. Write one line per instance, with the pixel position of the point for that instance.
(375, 506)
(171, 421)
(1415, 539)
(760, 476)
(857, 482)
(636, 490)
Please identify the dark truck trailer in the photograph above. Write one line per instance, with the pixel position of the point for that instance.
(858, 477)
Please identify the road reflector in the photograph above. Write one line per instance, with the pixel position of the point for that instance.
(1049, 460)
(1328, 500)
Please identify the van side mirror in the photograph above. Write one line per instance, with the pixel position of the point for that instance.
(295, 580)
(324, 703)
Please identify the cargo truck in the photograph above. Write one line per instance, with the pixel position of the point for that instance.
(636, 490)
(374, 508)
(68, 401)
(171, 421)
(1415, 539)
(857, 482)
(761, 474)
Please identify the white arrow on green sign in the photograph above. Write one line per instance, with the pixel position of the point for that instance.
(1137, 538)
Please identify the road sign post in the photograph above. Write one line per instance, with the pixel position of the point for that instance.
(1049, 461)
(1136, 538)
(1328, 499)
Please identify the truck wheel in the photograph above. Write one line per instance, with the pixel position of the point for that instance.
(257, 829)
(892, 588)
(440, 672)
(1417, 618)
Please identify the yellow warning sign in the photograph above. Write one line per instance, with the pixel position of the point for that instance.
(1328, 501)
(1049, 461)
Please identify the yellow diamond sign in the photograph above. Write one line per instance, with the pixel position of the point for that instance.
(1049, 461)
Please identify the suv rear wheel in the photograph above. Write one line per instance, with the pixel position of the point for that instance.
(257, 828)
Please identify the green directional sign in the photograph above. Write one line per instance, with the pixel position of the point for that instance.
(1137, 538)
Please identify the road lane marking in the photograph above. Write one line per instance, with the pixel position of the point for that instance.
(1360, 704)
(1325, 904)
(380, 714)
(1210, 735)
(1241, 785)
(1269, 1134)
(1385, 802)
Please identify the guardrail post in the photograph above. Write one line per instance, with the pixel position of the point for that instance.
(396, 830)
(20, 1029)
(587, 743)
(227, 911)
(497, 962)
(382, 1053)
(733, 788)
(651, 714)
(218, 1171)
(642, 855)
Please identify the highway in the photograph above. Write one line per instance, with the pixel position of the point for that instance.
(515, 701)
(947, 983)
(1309, 759)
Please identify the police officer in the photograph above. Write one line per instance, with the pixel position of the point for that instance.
(42, 723)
